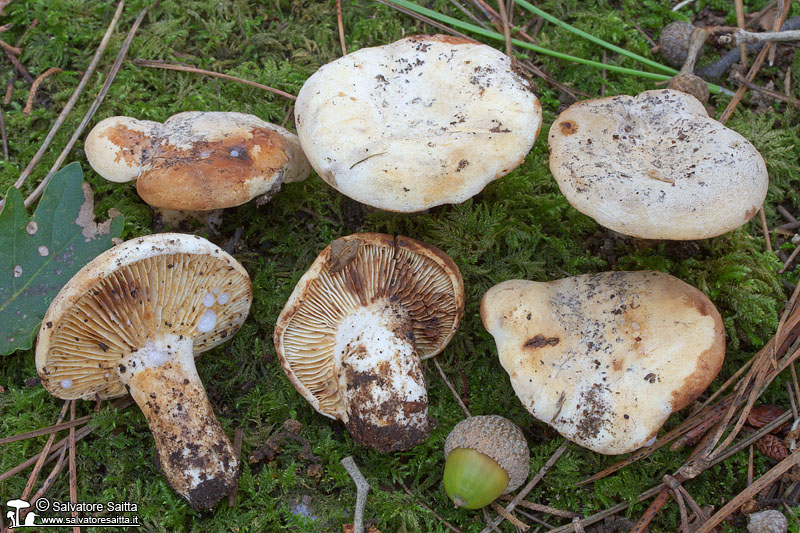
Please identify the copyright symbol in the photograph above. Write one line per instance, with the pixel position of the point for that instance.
(42, 504)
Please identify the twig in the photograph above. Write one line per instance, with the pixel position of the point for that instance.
(73, 470)
(48, 482)
(792, 400)
(184, 68)
(73, 99)
(450, 386)
(519, 524)
(45, 431)
(506, 32)
(40, 462)
(35, 87)
(645, 34)
(762, 482)
(469, 13)
(674, 489)
(762, 55)
(785, 213)
(362, 487)
(681, 4)
(739, 6)
(92, 109)
(341, 26)
(6, 27)
(790, 260)
(237, 452)
(532, 483)
(19, 66)
(422, 504)
(750, 466)
(10, 49)
(13, 78)
(576, 523)
(3, 134)
(765, 228)
(772, 94)
(422, 18)
(533, 506)
(743, 37)
(120, 404)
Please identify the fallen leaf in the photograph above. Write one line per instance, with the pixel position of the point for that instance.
(40, 254)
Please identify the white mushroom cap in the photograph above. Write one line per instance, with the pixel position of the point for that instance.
(605, 358)
(197, 161)
(118, 147)
(424, 121)
(132, 320)
(352, 335)
(655, 166)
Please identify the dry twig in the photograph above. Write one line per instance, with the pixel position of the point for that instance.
(762, 55)
(527, 488)
(506, 31)
(362, 487)
(10, 49)
(184, 68)
(452, 389)
(35, 87)
(92, 109)
(341, 26)
(73, 99)
(519, 524)
(73, 469)
(739, 6)
(424, 506)
(237, 452)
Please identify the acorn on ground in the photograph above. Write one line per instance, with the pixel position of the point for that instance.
(486, 456)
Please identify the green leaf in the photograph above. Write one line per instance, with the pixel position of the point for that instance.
(39, 255)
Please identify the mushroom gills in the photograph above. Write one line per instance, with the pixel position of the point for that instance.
(381, 379)
(193, 451)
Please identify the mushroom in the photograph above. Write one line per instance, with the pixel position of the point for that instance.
(655, 166)
(197, 161)
(605, 358)
(424, 121)
(353, 333)
(133, 320)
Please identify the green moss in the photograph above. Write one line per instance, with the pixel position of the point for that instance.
(518, 227)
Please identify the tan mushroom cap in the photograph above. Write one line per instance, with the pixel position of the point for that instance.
(605, 358)
(197, 161)
(352, 335)
(133, 320)
(655, 166)
(149, 286)
(424, 121)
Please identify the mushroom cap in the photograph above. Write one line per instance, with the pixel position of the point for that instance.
(498, 438)
(118, 147)
(605, 358)
(197, 161)
(348, 278)
(424, 121)
(166, 283)
(655, 166)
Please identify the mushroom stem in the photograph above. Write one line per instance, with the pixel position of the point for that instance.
(381, 379)
(193, 451)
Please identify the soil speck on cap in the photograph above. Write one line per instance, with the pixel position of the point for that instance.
(568, 127)
(540, 340)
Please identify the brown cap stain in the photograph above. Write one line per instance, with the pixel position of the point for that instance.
(568, 127)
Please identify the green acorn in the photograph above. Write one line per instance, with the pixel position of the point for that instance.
(486, 456)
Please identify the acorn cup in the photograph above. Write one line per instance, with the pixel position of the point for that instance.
(486, 456)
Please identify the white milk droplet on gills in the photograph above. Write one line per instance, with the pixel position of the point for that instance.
(208, 300)
(158, 358)
(66, 383)
(223, 298)
(207, 321)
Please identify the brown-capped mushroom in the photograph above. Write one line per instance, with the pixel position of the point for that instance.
(353, 333)
(132, 321)
(655, 166)
(605, 358)
(197, 161)
(424, 121)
